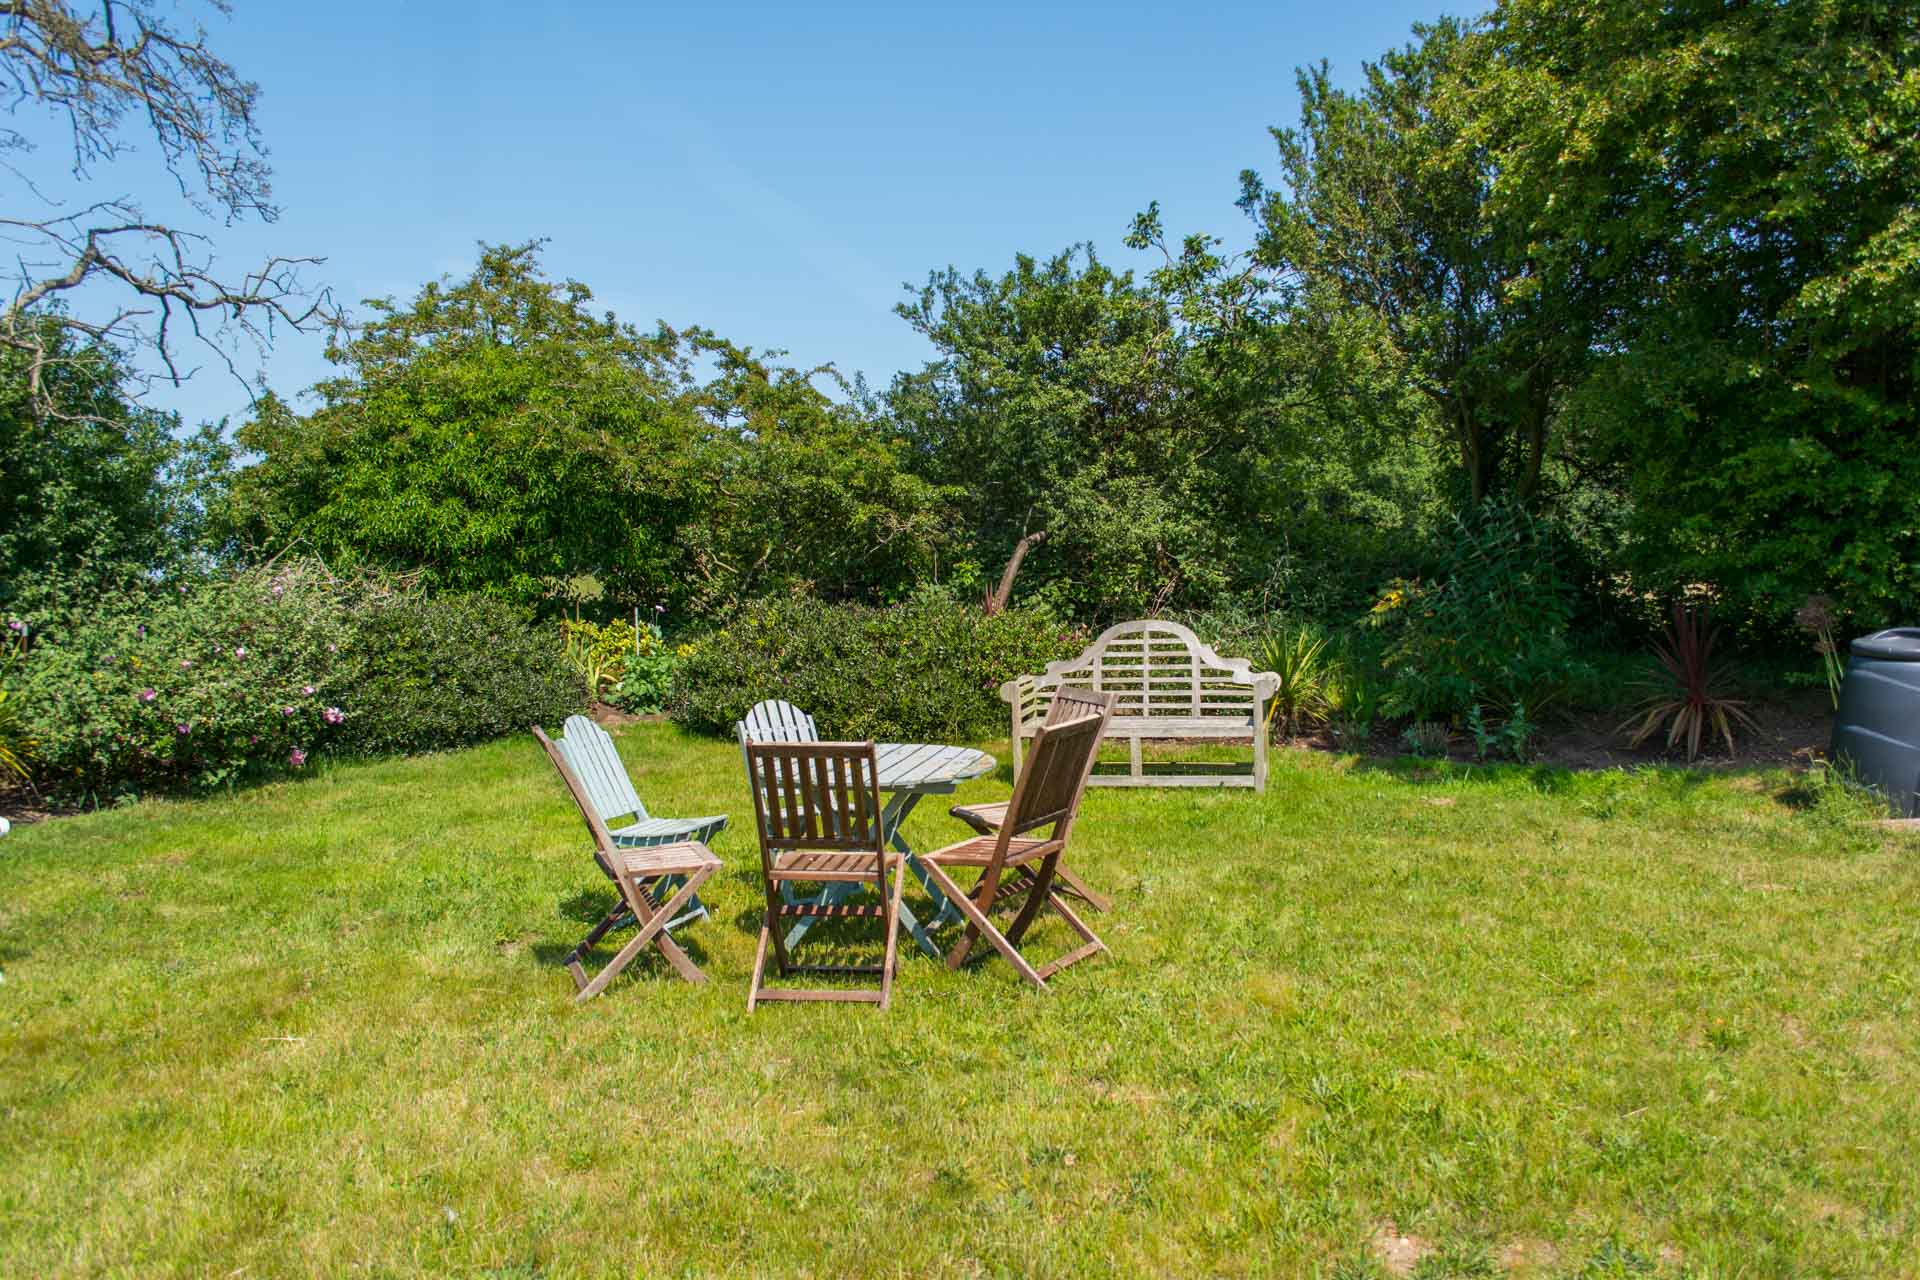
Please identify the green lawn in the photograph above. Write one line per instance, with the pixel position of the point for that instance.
(1473, 1021)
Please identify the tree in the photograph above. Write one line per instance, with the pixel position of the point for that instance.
(1740, 179)
(91, 74)
(100, 489)
(493, 434)
(798, 490)
(1384, 211)
(1053, 410)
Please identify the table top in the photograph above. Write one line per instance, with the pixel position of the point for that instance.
(913, 766)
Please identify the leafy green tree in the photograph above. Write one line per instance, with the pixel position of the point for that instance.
(1324, 463)
(1381, 234)
(1053, 411)
(93, 488)
(797, 490)
(493, 434)
(1740, 180)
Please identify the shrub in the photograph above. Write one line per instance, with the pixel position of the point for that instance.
(1495, 627)
(926, 670)
(648, 679)
(193, 685)
(1689, 695)
(444, 671)
(187, 686)
(1299, 657)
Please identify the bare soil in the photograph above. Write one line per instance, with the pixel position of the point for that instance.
(1793, 732)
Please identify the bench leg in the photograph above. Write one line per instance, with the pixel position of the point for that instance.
(1133, 757)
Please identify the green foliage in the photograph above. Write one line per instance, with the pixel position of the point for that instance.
(1746, 175)
(1428, 739)
(647, 680)
(928, 669)
(1053, 410)
(1508, 737)
(1383, 222)
(17, 744)
(99, 490)
(598, 652)
(239, 675)
(442, 671)
(797, 491)
(1299, 656)
(189, 686)
(493, 434)
(1495, 624)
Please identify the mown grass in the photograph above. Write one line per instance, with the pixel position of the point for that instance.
(1476, 1021)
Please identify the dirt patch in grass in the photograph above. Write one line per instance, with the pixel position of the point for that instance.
(1398, 1253)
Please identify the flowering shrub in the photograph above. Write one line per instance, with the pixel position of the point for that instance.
(926, 670)
(187, 686)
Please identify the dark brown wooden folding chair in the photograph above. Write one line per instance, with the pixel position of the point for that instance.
(1067, 704)
(817, 809)
(1046, 794)
(644, 878)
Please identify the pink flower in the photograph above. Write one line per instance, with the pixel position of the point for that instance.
(183, 729)
(252, 738)
(185, 663)
(286, 711)
(296, 757)
(307, 689)
(148, 695)
(240, 651)
(333, 715)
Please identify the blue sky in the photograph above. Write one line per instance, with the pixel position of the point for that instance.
(774, 172)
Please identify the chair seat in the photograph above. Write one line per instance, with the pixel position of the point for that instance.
(978, 852)
(803, 864)
(652, 831)
(682, 858)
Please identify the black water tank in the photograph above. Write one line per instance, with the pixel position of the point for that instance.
(1876, 732)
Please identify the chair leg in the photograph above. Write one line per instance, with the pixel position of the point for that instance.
(981, 924)
(893, 934)
(1036, 897)
(759, 966)
(650, 928)
(594, 935)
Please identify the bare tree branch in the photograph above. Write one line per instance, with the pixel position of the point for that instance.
(95, 73)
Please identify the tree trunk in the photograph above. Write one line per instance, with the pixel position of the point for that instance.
(997, 598)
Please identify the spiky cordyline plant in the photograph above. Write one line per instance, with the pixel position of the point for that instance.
(1691, 702)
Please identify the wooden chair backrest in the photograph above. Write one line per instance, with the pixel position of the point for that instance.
(589, 752)
(773, 721)
(1071, 704)
(1048, 790)
(816, 796)
(604, 851)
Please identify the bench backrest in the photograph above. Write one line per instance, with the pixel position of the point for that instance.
(1152, 668)
(588, 750)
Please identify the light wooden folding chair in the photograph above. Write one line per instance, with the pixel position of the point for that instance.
(1067, 704)
(1046, 794)
(644, 877)
(817, 809)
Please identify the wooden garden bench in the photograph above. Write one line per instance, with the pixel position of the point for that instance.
(1168, 686)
